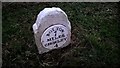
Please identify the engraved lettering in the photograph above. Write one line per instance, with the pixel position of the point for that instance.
(52, 43)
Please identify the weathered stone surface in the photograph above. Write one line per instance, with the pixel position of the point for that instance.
(52, 30)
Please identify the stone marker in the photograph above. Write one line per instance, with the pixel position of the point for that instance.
(52, 30)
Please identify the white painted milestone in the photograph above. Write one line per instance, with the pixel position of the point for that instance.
(54, 37)
(52, 30)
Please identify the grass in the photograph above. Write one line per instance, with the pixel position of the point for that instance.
(95, 36)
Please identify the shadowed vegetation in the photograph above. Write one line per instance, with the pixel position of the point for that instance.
(94, 40)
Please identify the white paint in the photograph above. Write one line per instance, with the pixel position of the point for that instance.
(48, 19)
(54, 37)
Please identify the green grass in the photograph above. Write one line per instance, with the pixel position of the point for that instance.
(95, 36)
